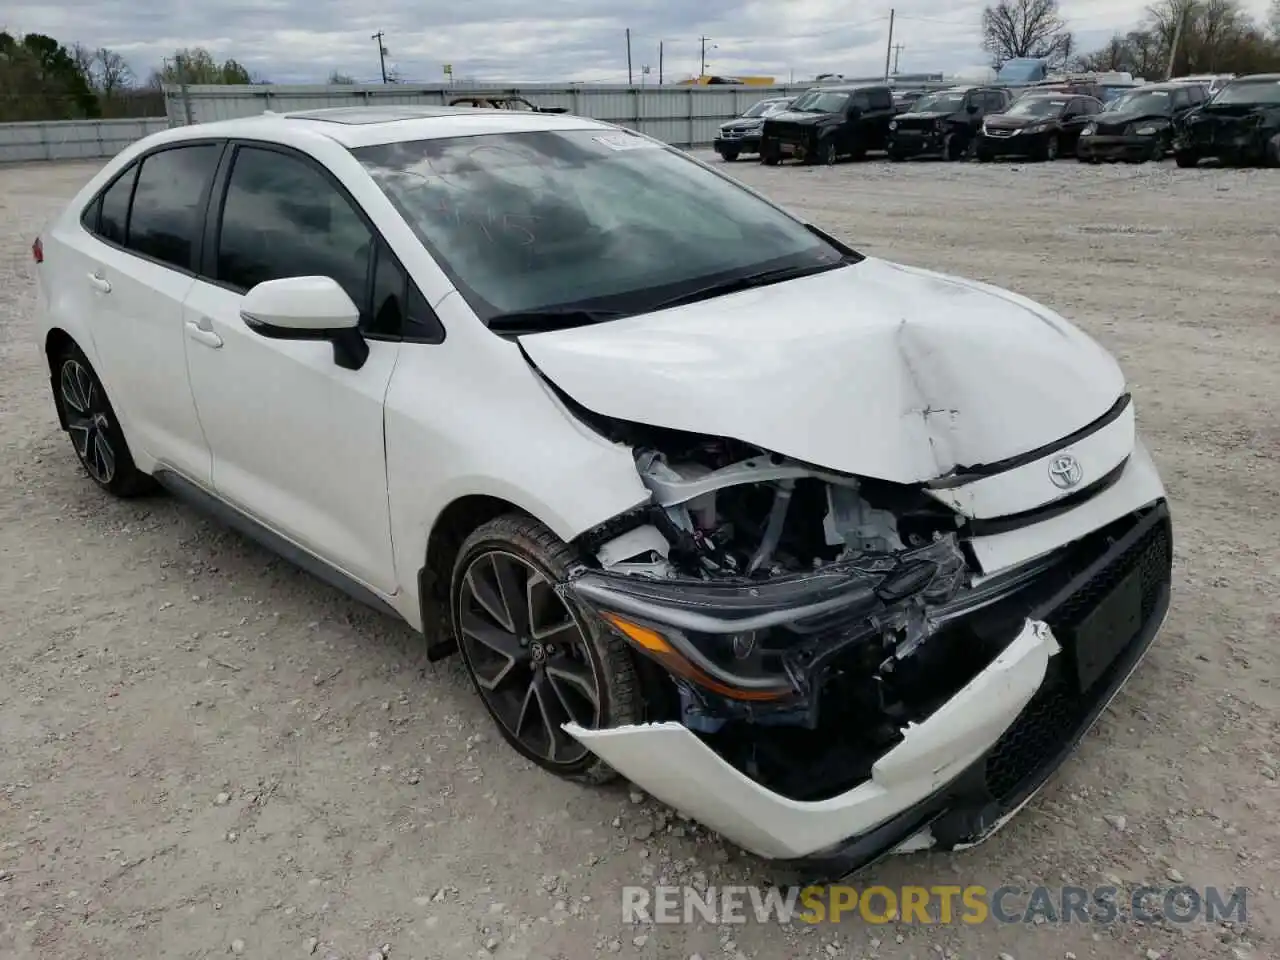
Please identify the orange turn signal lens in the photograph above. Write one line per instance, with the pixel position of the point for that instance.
(660, 649)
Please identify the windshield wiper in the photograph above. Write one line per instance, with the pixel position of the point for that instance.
(541, 321)
(752, 280)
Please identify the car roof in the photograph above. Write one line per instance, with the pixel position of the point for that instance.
(846, 87)
(1258, 78)
(368, 125)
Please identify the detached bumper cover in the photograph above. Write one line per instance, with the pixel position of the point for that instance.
(1120, 147)
(963, 771)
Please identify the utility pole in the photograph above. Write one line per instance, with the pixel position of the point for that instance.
(659, 63)
(889, 47)
(1177, 36)
(702, 70)
(897, 52)
(630, 79)
(382, 54)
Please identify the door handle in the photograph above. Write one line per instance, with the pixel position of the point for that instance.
(202, 331)
(99, 282)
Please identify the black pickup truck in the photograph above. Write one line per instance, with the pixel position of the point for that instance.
(827, 123)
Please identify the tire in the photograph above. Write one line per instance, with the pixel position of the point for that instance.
(950, 152)
(91, 424)
(985, 157)
(570, 667)
(1187, 159)
(730, 156)
(824, 155)
(1051, 151)
(897, 156)
(768, 158)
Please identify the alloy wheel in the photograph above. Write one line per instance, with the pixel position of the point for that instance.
(528, 655)
(88, 420)
(1051, 148)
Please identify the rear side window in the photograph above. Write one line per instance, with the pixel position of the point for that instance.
(165, 217)
(114, 216)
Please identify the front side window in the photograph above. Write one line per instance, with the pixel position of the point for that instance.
(558, 219)
(880, 98)
(283, 218)
(165, 216)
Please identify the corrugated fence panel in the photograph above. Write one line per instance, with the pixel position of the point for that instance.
(685, 116)
(72, 139)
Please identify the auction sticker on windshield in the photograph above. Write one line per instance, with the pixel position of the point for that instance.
(626, 141)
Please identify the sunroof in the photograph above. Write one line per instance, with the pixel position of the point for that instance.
(355, 116)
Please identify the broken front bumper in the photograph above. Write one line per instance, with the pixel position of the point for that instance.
(963, 771)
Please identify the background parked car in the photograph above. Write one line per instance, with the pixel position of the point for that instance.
(1042, 127)
(945, 123)
(1241, 125)
(904, 100)
(1084, 86)
(742, 135)
(504, 103)
(1140, 125)
(827, 123)
(1213, 82)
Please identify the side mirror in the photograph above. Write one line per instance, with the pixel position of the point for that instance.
(307, 308)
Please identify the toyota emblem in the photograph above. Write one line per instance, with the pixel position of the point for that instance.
(1065, 471)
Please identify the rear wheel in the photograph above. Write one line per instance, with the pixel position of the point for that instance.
(536, 660)
(730, 155)
(91, 423)
(1185, 158)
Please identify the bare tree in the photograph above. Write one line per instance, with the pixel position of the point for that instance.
(337, 76)
(1116, 55)
(1273, 20)
(1025, 28)
(112, 74)
(83, 57)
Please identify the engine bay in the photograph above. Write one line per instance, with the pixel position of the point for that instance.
(814, 604)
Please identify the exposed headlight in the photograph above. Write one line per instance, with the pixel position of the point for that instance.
(893, 124)
(1089, 130)
(1145, 131)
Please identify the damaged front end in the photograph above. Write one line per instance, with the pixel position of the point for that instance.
(823, 651)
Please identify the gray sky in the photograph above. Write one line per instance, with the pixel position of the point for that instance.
(301, 41)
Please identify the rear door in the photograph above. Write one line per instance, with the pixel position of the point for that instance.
(297, 440)
(136, 267)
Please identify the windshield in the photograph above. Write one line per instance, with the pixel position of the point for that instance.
(1037, 107)
(939, 103)
(762, 108)
(1256, 91)
(1110, 93)
(820, 101)
(586, 219)
(1142, 101)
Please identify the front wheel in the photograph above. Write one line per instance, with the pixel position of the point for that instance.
(538, 661)
(1186, 159)
(951, 148)
(91, 423)
(1051, 148)
(730, 156)
(824, 154)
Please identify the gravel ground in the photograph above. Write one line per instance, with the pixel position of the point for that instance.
(204, 751)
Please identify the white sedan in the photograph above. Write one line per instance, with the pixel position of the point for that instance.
(834, 555)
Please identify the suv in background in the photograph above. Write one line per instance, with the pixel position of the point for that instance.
(945, 123)
(742, 134)
(1240, 125)
(826, 123)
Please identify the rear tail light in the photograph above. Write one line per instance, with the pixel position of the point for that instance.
(37, 250)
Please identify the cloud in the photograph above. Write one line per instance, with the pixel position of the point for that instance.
(301, 41)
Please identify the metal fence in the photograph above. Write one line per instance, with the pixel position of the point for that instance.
(681, 115)
(72, 139)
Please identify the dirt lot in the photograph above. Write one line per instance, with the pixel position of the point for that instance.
(204, 751)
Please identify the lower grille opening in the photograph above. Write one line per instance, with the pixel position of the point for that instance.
(1051, 721)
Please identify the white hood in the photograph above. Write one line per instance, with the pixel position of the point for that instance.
(874, 369)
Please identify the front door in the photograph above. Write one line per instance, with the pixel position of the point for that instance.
(297, 441)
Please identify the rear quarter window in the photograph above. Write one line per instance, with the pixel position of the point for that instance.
(165, 215)
(113, 216)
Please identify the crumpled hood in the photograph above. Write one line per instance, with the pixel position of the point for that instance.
(1126, 117)
(799, 116)
(927, 115)
(873, 369)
